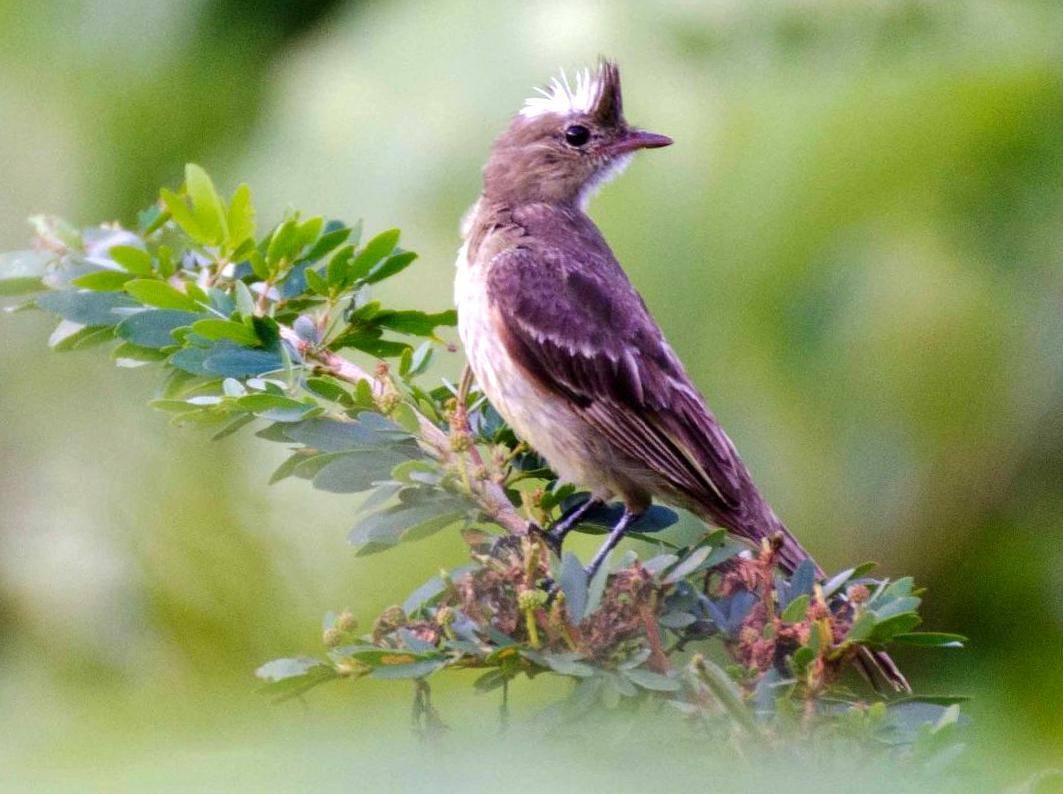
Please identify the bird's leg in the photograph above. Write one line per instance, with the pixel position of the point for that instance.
(555, 536)
(615, 536)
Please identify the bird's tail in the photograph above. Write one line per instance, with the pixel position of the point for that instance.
(873, 665)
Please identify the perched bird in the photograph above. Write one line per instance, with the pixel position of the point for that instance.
(564, 347)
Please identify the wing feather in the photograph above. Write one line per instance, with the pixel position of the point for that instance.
(580, 328)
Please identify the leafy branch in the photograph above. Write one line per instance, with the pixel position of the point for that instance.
(266, 330)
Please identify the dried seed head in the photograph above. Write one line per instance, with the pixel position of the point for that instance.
(332, 637)
(859, 593)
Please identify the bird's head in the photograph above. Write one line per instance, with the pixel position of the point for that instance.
(566, 142)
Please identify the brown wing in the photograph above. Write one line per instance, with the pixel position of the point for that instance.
(582, 330)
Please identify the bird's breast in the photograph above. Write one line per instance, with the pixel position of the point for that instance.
(542, 418)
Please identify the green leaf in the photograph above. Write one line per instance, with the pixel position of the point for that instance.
(337, 269)
(330, 389)
(423, 596)
(327, 242)
(87, 308)
(727, 694)
(691, 564)
(375, 250)
(130, 354)
(647, 679)
(279, 669)
(371, 344)
(258, 264)
(307, 232)
(413, 670)
(226, 329)
(835, 583)
(245, 301)
(862, 627)
(286, 687)
(206, 204)
(161, 295)
(241, 218)
(801, 659)
(288, 467)
(134, 260)
(267, 402)
(355, 471)
(315, 282)
(281, 243)
(415, 322)
(71, 336)
(233, 426)
(575, 585)
(563, 663)
(183, 216)
(930, 639)
(796, 609)
(803, 578)
(391, 266)
(100, 280)
(421, 359)
(386, 527)
(21, 285)
(331, 435)
(897, 624)
(235, 361)
(154, 328)
(897, 606)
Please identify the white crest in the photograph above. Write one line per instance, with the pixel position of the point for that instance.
(563, 97)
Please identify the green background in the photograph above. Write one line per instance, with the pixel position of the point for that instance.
(855, 245)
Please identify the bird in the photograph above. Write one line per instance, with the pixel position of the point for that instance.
(564, 347)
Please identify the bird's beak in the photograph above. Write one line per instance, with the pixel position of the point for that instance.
(633, 139)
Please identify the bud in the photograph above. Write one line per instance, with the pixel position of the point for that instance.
(387, 402)
(460, 440)
(345, 621)
(332, 637)
(531, 599)
(817, 611)
(445, 616)
(859, 593)
(393, 615)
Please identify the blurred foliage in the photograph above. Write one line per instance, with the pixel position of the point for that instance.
(853, 245)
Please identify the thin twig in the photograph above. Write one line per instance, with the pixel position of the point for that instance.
(488, 494)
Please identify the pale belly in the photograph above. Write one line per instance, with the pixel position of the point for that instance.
(544, 420)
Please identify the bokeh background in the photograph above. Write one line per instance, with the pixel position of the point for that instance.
(856, 245)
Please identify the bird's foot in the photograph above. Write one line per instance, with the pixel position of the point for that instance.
(615, 536)
(554, 537)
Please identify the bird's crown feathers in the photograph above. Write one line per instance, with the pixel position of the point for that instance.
(594, 93)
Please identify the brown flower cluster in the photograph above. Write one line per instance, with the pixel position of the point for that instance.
(507, 592)
(765, 640)
(626, 602)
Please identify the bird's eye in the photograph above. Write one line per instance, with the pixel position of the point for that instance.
(577, 135)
